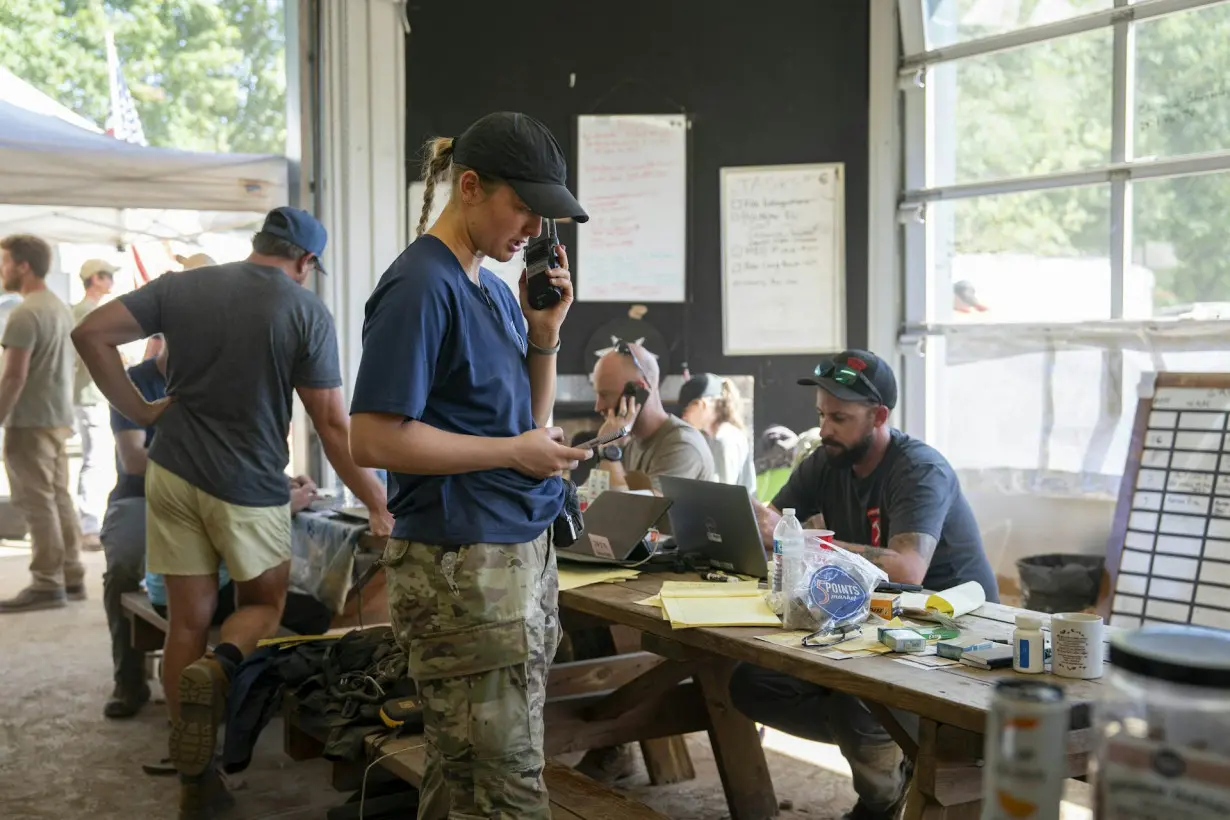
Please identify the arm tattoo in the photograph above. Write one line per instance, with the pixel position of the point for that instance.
(918, 542)
(922, 544)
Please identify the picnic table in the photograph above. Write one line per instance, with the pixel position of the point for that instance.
(950, 702)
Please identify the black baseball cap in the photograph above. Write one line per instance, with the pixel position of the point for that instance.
(521, 151)
(702, 386)
(298, 227)
(856, 375)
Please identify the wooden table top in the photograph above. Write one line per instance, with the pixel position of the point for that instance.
(957, 695)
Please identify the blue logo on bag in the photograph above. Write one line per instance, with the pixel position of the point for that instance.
(835, 592)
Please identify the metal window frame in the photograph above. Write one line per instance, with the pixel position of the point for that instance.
(922, 341)
(919, 57)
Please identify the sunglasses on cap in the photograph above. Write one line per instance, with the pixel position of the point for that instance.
(622, 348)
(844, 374)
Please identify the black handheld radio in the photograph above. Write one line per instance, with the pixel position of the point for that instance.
(541, 254)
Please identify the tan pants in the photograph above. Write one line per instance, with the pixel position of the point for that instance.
(36, 461)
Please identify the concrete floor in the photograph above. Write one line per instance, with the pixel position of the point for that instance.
(59, 758)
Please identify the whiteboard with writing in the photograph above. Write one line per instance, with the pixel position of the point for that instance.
(783, 259)
(509, 272)
(632, 181)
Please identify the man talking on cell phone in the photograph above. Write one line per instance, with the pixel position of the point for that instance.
(660, 443)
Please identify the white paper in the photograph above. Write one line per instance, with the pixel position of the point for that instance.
(632, 181)
(783, 259)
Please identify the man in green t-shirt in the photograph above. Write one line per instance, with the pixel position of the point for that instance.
(36, 404)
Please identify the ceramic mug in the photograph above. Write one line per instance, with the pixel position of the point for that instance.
(1076, 645)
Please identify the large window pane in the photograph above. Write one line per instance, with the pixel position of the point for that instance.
(954, 21)
(1039, 256)
(1040, 109)
(1183, 83)
(1181, 237)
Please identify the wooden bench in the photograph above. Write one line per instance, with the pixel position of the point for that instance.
(573, 795)
(149, 629)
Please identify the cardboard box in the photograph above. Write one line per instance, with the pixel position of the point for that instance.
(887, 605)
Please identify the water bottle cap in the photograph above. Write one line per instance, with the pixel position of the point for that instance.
(788, 511)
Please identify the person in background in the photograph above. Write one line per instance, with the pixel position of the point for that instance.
(660, 443)
(898, 503)
(712, 405)
(98, 277)
(775, 450)
(36, 405)
(245, 338)
(454, 396)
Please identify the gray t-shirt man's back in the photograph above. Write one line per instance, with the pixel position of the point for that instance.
(675, 449)
(42, 324)
(240, 337)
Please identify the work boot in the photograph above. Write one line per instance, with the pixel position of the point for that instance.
(126, 702)
(203, 687)
(203, 796)
(30, 599)
(861, 812)
(75, 592)
(608, 764)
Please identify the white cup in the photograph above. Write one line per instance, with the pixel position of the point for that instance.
(1076, 645)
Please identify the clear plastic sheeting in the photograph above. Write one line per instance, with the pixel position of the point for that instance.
(1048, 409)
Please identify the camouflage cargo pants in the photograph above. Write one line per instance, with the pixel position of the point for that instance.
(480, 625)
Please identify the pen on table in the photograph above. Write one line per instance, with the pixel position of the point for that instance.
(718, 576)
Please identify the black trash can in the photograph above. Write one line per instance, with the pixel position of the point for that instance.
(1060, 583)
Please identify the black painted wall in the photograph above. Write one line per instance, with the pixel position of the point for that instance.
(774, 82)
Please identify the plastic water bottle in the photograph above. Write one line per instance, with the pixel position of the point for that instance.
(787, 549)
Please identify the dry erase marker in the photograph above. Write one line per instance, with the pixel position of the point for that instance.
(718, 576)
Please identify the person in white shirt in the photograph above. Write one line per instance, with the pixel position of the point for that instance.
(713, 405)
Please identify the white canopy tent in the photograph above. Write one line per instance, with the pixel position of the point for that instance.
(64, 180)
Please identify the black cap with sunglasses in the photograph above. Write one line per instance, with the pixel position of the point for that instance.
(856, 375)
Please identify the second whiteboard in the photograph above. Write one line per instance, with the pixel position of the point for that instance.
(783, 259)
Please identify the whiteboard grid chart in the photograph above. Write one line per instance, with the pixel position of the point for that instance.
(1175, 563)
(783, 259)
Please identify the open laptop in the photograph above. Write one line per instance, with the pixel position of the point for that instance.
(717, 521)
(615, 528)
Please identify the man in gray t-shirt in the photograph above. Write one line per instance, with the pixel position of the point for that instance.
(243, 337)
(660, 444)
(36, 404)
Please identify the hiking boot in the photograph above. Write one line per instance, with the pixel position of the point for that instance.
(608, 764)
(203, 687)
(75, 592)
(90, 542)
(203, 796)
(30, 599)
(861, 812)
(124, 703)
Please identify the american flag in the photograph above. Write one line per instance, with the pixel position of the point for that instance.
(123, 121)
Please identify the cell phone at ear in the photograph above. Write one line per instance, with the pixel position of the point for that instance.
(636, 391)
(602, 441)
(542, 254)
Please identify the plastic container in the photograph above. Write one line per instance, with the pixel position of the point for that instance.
(787, 547)
(1028, 645)
(1059, 582)
(1162, 726)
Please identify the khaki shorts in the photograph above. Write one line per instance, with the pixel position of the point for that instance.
(188, 531)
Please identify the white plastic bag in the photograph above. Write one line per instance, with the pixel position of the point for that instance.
(833, 590)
